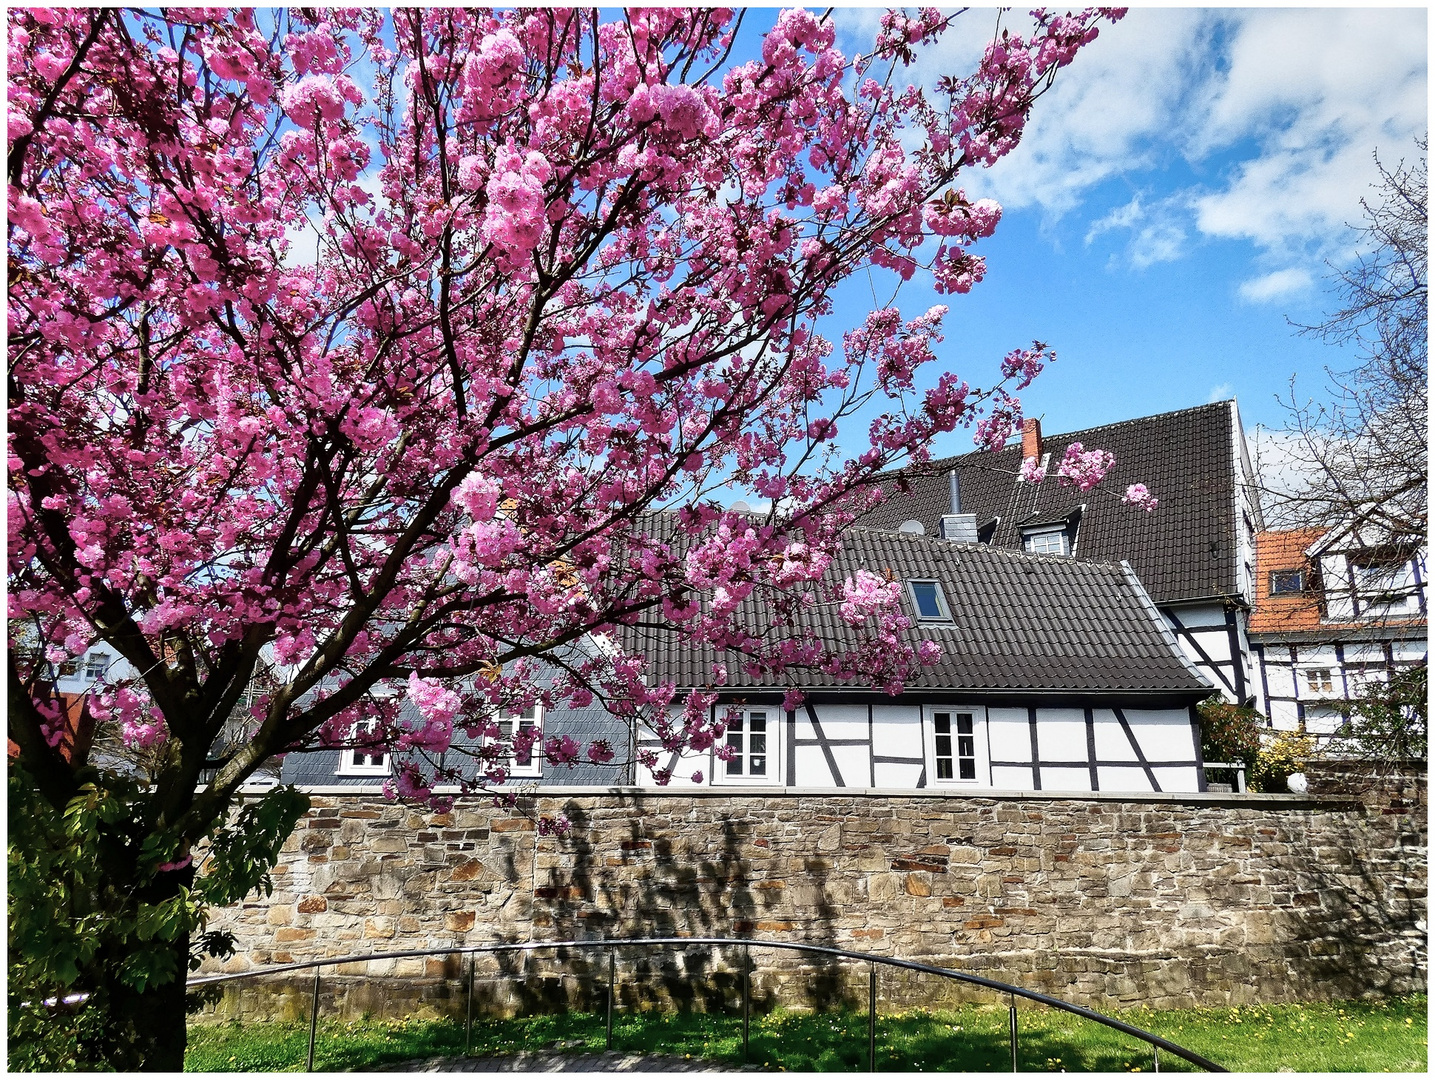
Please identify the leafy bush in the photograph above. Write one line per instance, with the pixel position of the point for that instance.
(1284, 753)
(1388, 721)
(1229, 732)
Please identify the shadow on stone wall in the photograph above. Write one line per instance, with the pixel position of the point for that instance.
(1357, 921)
(614, 877)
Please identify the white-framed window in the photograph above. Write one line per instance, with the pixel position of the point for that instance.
(1050, 540)
(529, 762)
(956, 744)
(1385, 588)
(97, 666)
(928, 601)
(752, 734)
(364, 760)
(1318, 680)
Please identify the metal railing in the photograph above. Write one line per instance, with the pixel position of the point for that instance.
(1238, 767)
(1156, 1042)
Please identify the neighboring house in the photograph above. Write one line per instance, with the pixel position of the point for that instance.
(1195, 553)
(1334, 610)
(1056, 674)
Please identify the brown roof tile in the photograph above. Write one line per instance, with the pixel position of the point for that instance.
(1185, 549)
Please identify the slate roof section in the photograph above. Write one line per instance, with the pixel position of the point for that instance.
(1020, 624)
(1185, 549)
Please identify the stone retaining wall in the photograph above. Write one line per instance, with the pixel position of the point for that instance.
(1101, 900)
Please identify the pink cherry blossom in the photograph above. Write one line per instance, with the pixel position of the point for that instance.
(386, 398)
(1084, 468)
(1137, 495)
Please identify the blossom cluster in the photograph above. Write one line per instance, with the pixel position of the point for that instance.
(376, 383)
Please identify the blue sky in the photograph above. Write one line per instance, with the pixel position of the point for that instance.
(1175, 200)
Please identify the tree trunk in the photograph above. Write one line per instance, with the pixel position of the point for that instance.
(158, 1016)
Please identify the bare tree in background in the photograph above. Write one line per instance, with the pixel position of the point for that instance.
(1362, 454)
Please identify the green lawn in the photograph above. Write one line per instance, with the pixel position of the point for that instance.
(1375, 1036)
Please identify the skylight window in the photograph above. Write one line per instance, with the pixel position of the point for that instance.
(1287, 582)
(928, 601)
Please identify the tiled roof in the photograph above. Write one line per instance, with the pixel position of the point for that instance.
(1184, 549)
(1284, 549)
(1019, 623)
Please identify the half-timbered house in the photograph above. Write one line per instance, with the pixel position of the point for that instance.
(1334, 611)
(1195, 554)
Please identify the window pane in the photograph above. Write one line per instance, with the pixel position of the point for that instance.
(925, 594)
(759, 744)
(1047, 543)
(759, 766)
(966, 746)
(944, 768)
(759, 721)
(942, 722)
(734, 765)
(944, 746)
(1287, 581)
(964, 723)
(969, 769)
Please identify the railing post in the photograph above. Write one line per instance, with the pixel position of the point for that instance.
(1155, 1058)
(1012, 1019)
(313, 1019)
(468, 1026)
(872, 1016)
(746, 998)
(612, 964)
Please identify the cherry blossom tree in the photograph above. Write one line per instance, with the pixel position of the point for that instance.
(362, 348)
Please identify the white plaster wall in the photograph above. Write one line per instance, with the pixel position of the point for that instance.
(1163, 734)
(897, 730)
(1010, 739)
(1111, 742)
(1064, 779)
(1061, 736)
(838, 721)
(896, 775)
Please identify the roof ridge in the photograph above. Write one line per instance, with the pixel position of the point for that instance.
(951, 458)
(1003, 552)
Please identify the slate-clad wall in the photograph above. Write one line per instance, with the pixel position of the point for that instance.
(1174, 900)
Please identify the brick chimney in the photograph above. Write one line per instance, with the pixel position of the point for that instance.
(1031, 438)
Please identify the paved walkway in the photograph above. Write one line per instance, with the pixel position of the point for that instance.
(611, 1061)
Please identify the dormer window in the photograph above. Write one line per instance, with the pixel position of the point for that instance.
(1051, 534)
(97, 665)
(1384, 586)
(1046, 540)
(1287, 582)
(929, 602)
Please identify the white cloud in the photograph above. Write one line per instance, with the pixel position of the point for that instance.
(1271, 114)
(1283, 467)
(1276, 285)
(1220, 392)
(1158, 231)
